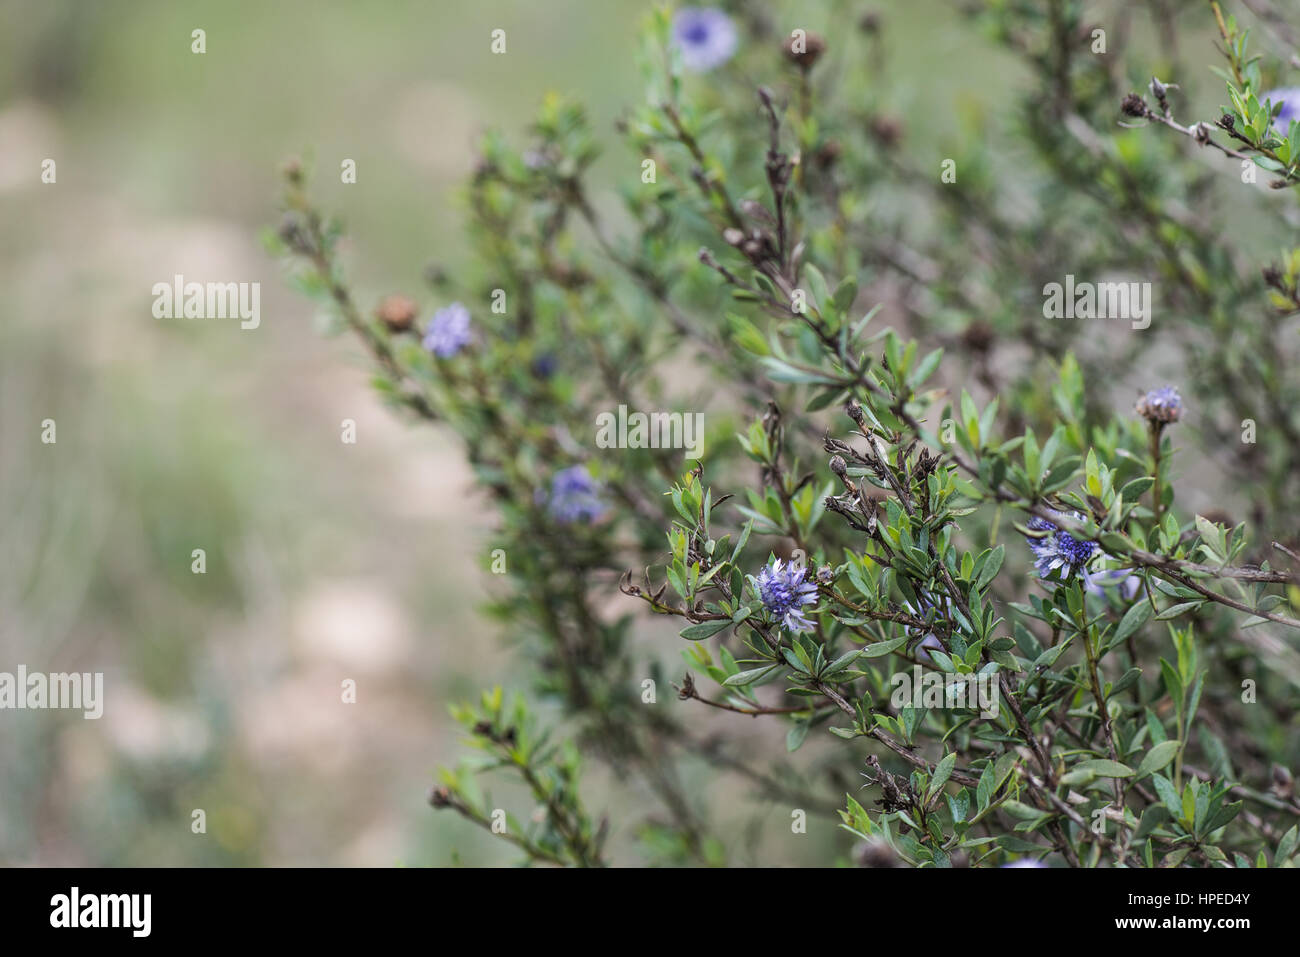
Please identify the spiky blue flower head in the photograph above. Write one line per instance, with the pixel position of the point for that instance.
(784, 593)
(1025, 862)
(574, 496)
(448, 331)
(705, 36)
(1058, 548)
(1161, 406)
(1289, 97)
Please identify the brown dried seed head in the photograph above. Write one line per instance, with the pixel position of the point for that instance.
(1133, 105)
(804, 48)
(397, 313)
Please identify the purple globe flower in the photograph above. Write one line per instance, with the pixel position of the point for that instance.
(1161, 406)
(784, 593)
(448, 331)
(574, 496)
(1025, 862)
(1059, 549)
(705, 36)
(1289, 97)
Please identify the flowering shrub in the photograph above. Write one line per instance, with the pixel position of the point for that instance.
(1008, 602)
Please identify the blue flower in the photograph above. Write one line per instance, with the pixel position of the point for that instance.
(448, 331)
(1161, 406)
(705, 36)
(1025, 862)
(574, 496)
(1289, 97)
(1059, 549)
(784, 593)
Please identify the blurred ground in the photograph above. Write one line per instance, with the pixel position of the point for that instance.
(325, 561)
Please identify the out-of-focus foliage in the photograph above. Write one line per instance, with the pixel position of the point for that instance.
(1018, 611)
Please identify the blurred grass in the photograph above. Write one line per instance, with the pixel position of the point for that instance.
(176, 436)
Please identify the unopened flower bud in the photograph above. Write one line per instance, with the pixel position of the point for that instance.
(804, 48)
(855, 411)
(877, 853)
(294, 234)
(397, 313)
(1283, 783)
(886, 130)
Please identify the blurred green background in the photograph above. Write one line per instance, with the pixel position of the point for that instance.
(325, 561)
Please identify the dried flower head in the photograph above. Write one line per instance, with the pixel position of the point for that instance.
(804, 48)
(1133, 105)
(397, 313)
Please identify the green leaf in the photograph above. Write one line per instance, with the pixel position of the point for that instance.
(743, 678)
(942, 771)
(1158, 757)
(1128, 680)
(1169, 795)
(991, 567)
(744, 537)
(1222, 817)
(1286, 847)
(818, 287)
(796, 735)
(842, 662)
(704, 629)
(1104, 767)
(1173, 684)
(1133, 619)
(1079, 777)
(984, 790)
(959, 805)
(845, 293)
(925, 369)
(882, 648)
